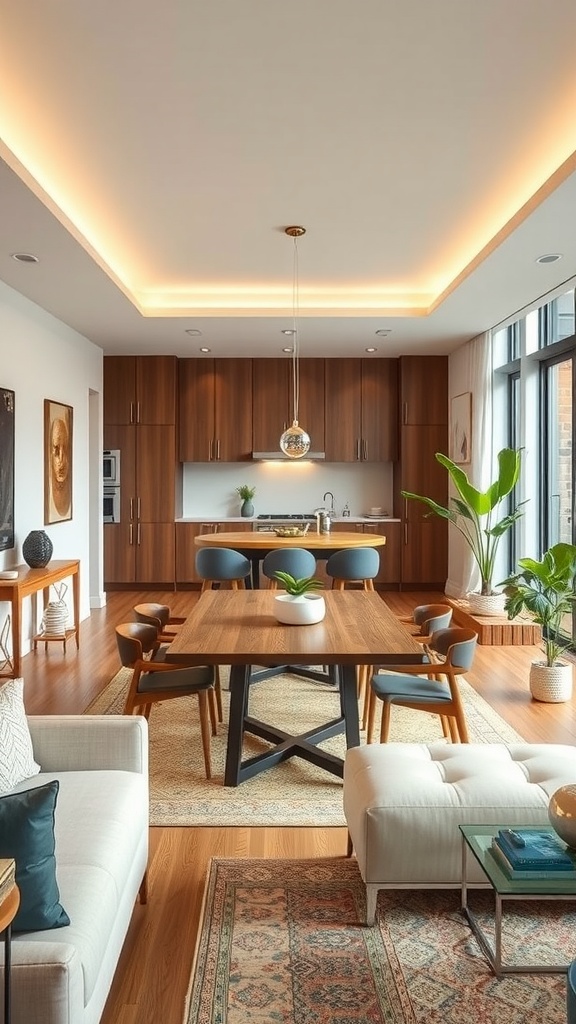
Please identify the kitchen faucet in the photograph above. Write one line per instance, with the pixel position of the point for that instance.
(329, 494)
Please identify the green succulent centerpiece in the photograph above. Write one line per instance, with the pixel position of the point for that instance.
(298, 587)
(300, 605)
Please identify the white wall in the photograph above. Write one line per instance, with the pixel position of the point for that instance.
(210, 489)
(40, 357)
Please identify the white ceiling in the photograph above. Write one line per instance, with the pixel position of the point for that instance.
(153, 153)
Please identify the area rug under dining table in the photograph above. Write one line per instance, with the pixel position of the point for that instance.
(282, 941)
(293, 793)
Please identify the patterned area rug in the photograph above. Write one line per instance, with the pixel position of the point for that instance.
(286, 945)
(293, 793)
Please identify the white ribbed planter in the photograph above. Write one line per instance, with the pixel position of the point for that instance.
(299, 611)
(486, 605)
(55, 619)
(551, 684)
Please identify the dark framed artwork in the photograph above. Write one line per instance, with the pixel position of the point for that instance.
(57, 461)
(6, 469)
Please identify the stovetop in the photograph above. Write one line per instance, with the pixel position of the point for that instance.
(306, 516)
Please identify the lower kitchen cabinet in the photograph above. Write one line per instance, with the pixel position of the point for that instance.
(425, 553)
(139, 553)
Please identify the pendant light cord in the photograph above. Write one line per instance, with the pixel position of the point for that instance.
(296, 345)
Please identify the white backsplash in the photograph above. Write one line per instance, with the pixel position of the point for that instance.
(210, 489)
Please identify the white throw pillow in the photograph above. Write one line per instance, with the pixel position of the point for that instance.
(16, 754)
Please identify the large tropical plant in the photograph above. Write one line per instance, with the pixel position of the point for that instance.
(546, 590)
(477, 514)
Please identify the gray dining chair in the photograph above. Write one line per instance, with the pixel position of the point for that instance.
(222, 566)
(353, 565)
(299, 562)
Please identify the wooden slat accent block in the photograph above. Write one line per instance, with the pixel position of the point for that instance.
(497, 630)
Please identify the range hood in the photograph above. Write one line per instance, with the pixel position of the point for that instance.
(280, 457)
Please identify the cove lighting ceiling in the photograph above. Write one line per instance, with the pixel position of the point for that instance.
(150, 159)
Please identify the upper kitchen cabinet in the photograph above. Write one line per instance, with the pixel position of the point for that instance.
(423, 390)
(215, 398)
(273, 402)
(361, 410)
(140, 390)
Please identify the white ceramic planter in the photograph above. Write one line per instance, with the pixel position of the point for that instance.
(551, 684)
(481, 604)
(299, 611)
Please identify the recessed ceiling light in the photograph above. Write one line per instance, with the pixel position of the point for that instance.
(371, 349)
(551, 257)
(288, 331)
(288, 350)
(204, 349)
(193, 332)
(25, 257)
(383, 332)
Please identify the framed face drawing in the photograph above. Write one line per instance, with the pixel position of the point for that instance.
(57, 462)
(6, 469)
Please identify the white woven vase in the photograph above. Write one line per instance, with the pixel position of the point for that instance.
(55, 617)
(551, 684)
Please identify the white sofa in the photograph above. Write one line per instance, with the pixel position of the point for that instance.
(63, 975)
(403, 803)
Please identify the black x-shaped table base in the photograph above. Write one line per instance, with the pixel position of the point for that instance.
(286, 745)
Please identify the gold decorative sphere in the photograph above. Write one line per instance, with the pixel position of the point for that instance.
(562, 814)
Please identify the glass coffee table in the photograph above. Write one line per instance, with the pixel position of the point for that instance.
(477, 840)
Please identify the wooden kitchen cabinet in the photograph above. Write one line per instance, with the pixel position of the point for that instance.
(423, 432)
(272, 402)
(391, 554)
(423, 389)
(186, 549)
(139, 389)
(361, 410)
(215, 400)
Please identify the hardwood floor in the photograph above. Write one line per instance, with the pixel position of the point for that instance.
(153, 973)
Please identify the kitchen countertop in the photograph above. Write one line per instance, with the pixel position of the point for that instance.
(254, 519)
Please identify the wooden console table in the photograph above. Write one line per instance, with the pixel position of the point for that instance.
(496, 630)
(31, 581)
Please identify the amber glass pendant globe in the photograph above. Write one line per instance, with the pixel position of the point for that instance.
(295, 442)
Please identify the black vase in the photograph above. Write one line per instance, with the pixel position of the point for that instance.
(37, 549)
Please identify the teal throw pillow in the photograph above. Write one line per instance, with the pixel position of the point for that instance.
(27, 834)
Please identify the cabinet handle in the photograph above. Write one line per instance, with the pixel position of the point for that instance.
(218, 450)
(137, 412)
(138, 534)
(210, 442)
(130, 534)
(131, 510)
(406, 508)
(404, 412)
(364, 451)
(138, 506)
(131, 412)
(405, 534)
(357, 449)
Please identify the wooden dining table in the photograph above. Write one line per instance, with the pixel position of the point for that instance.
(257, 544)
(238, 628)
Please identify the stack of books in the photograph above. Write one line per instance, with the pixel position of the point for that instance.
(7, 876)
(532, 854)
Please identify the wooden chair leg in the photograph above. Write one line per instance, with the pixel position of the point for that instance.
(454, 736)
(218, 692)
(213, 711)
(368, 584)
(205, 730)
(385, 723)
(371, 715)
(445, 726)
(369, 669)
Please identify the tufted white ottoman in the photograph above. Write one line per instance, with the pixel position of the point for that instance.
(403, 803)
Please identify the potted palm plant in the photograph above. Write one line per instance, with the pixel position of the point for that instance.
(477, 516)
(299, 605)
(545, 589)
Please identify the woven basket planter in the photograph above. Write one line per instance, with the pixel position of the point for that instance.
(551, 684)
(481, 604)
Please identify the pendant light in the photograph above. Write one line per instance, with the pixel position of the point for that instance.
(295, 442)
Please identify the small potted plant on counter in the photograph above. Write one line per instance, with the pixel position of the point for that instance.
(246, 493)
(545, 589)
(300, 605)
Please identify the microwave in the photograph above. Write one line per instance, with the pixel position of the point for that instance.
(111, 467)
